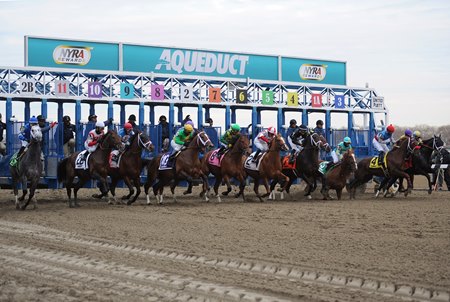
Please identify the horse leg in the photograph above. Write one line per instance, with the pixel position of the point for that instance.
(392, 180)
(16, 192)
(33, 187)
(266, 185)
(310, 187)
(112, 188)
(127, 181)
(205, 187)
(255, 189)
(24, 189)
(279, 176)
(216, 187)
(172, 189)
(241, 187)
(226, 179)
(339, 193)
(136, 182)
(382, 186)
(76, 187)
(189, 189)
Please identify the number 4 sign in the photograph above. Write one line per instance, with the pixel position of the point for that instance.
(316, 100)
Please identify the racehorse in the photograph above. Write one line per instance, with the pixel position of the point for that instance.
(98, 163)
(307, 163)
(232, 165)
(395, 168)
(130, 167)
(336, 178)
(270, 167)
(421, 161)
(187, 166)
(28, 168)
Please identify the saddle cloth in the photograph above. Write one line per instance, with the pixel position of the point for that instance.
(80, 162)
(114, 159)
(375, 164)
(249, 164)
(214, 159)
(286, 162)
(165, 163)
(323, 167)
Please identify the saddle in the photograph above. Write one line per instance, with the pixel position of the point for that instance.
(82, 161)
(254, 165)
(114, 159)
(376, 164)
(215, 158)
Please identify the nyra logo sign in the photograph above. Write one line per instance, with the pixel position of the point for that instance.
(312, 72)
(74, 55)
(199, 61)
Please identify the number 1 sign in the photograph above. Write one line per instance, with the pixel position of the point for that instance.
(95, 90)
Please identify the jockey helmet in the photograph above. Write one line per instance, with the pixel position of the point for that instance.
(100, 125)
(188, 128)
(303, 128)
(272, 130)
(209, 120)
(33, 120)
(132, 117)
(347, 140)
(128, 126)
(190, 123)
(293, 122)
(41, 118)
(235, 127)
(417, 134)
(162, 118)
(390, 129)
(408, 133)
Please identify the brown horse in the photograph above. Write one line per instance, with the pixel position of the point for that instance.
(130, 167)
(395, 168)
(98, 167)
(270, 167)
(187, 167)
(232, 165)
(336, 178)
(306, 164)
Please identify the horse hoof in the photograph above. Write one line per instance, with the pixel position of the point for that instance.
(309, 197)
(97, 196)
(129, 202)
(77, 205)
(187, 192)
(17, 207)
(225, 193)
(124, 197)
(237, 195)
(22, 208)
(429, 191)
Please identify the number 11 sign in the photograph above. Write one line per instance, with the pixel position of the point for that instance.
(62, 88)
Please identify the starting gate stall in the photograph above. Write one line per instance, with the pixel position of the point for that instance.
(114, 80)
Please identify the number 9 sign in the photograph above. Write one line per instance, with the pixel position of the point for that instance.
(126, 91)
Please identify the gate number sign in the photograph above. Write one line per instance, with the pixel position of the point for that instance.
(95, 90)
(316, 100)
(186, 94)
(339, 101)
(214, 95)
(27, 86)
(126, 91)
(157, 92)
(62, 88)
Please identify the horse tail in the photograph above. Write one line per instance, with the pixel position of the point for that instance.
(62, 170)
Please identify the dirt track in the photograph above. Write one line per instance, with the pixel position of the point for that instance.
(365, 250)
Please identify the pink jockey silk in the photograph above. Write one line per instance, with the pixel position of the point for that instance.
(214, 160)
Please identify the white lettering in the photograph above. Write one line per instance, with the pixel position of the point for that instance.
(203, 62)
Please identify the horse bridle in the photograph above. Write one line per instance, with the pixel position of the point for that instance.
(203, 142)
(142, 144)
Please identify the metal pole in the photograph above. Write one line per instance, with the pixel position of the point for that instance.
(9, 127)
(200, 116)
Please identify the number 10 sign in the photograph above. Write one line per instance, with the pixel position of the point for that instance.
(95, 90)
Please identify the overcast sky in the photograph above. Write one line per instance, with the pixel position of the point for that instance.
(401, 48)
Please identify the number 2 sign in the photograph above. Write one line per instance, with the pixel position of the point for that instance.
(186, 94)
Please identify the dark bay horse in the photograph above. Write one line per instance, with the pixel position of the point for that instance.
(395, 167)
(421, 161)
(232, 165)
(130, 167)
(336, 178)
(98, 167)
(187, 167)
(307, 163)
(270, 167)
(28, 168)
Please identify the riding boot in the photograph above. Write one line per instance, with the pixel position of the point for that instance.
(292, 157)
(221, 151)
(381, 159)
(329, 165)
(21, 150)
(256, 155)
(172, 156)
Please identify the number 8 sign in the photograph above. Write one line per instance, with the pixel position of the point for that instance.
(157, 92)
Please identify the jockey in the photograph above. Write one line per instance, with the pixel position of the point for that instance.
(182, 139)
(381, 140)
(126, 133)
(94, 136)
(25, 134)
(418, 137)
(263, 140)
(340, 149)
(229, 138)
(296, 141)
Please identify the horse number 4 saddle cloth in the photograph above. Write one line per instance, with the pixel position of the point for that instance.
(375, 164)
